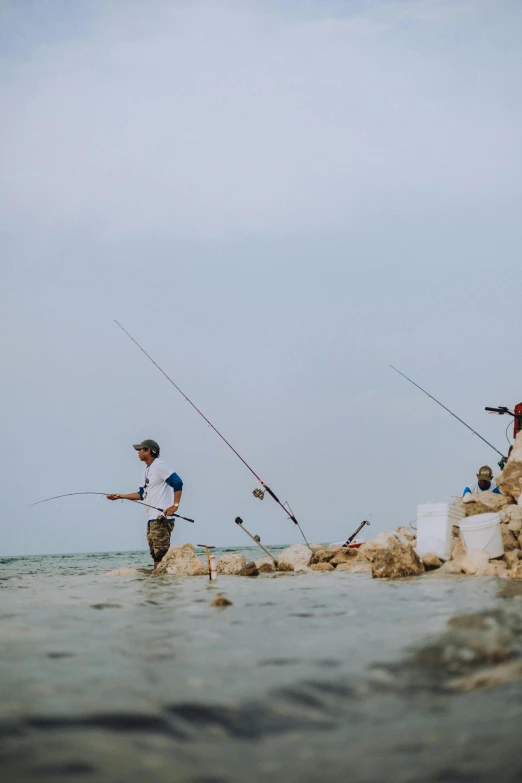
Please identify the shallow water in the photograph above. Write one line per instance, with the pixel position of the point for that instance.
(134, 678)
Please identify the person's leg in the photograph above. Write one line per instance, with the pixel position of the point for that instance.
(160, 532)
(150, 542)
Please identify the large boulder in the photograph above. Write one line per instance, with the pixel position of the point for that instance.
(485, 503)
(509, 480)
(391, 555)
(322, 567)
(265, 565)
(182, 560)
(294, 558)
(231, 564)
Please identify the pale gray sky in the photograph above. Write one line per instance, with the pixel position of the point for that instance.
(264, 194)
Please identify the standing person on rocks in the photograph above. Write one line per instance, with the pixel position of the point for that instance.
(160, 487)
(485, 483)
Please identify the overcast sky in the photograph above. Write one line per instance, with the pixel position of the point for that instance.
(264, 194)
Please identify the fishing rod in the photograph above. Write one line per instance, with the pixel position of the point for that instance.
(349, 541)
(245, 463)
(139, 502)
(442, 406)
(256, 539)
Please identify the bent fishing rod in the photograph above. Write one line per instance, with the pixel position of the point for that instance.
(245, 463)
(139, 502)
(441, 405)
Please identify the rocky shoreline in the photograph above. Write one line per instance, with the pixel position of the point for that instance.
(390, 554)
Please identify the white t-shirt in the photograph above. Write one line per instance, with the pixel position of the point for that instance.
(154, 488)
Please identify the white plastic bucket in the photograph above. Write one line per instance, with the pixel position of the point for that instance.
(482, 531)
(434, 528)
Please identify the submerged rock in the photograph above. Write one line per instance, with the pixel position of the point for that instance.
(182, 560)
(358, 567)
(392, 556)
(250, 569)
(265, 565)
(509, 480)
(490, 677)
(231, 564)
(294, 558)
(485, 637)
(322, 567)
(125, 571)
(221, 601)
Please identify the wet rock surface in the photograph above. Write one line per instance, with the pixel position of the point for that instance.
(265, 565)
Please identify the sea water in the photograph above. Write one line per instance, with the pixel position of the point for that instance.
(109, 679)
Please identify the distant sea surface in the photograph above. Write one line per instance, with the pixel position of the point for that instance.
(138, 679)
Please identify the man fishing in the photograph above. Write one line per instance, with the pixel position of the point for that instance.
(485, 483)
(161, 487)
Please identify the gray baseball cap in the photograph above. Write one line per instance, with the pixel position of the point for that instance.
(151, 445)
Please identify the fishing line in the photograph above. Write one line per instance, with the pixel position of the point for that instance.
(139, 502)
(440, 403)
(245, 463)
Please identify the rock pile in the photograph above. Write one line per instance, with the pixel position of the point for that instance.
(389, 554)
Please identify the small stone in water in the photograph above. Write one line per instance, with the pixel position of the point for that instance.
(221, 600)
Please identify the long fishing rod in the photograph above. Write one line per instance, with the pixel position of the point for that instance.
(267, 488)
(441, 405)
(139, 502)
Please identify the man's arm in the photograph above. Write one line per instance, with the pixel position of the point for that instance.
(130, 496)
(176, 483)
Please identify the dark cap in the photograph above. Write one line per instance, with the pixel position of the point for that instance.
(151, 445)
(485, 473)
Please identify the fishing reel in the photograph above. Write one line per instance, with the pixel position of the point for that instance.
(258, 493)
